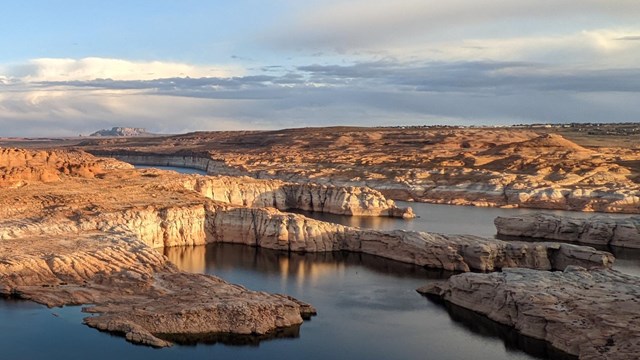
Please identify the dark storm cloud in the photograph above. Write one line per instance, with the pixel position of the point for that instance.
(480, 76)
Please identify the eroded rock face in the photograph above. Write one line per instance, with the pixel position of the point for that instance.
(90, 240)
(599, 230)
(358, 201)
(593, 314)
(270, 228)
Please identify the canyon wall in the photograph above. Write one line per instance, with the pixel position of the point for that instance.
(272, 229)
(197, 224)
(244, 191)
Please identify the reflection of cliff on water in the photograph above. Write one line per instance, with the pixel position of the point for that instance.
(291, 332)
(304, 267)
(513, 341)
(188, 258)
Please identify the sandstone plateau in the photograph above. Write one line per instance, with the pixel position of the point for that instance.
(592, 314)
(481, 167)
(90, 239)
(599, 230)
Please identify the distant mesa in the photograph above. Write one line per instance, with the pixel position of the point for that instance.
(122, 132)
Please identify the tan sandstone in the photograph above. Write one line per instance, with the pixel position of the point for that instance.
(481, 167)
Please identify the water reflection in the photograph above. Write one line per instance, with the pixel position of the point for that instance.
(513, 341)
(292, 332)
(367, 306)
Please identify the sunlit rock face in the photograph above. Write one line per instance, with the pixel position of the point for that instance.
(18, 167)
(354, 201)
(270, 228)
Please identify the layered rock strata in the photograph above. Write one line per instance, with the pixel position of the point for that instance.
(198, 221)
(270, 228)
(90, 240)
(598, 230)
(592, 314)
(353, 201)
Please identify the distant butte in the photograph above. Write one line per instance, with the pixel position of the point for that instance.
(122, 132)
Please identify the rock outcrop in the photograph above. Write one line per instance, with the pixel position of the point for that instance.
(135, 290)
(18, 167)
(91, 240)
(122, 131)
(592, 314)
(352, 201)
(598, 230)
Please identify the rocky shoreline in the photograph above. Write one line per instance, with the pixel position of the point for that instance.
(467, 193)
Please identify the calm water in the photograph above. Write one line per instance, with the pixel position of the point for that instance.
(449, 219)
(368, 307)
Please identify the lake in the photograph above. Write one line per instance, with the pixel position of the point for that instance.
(367, 306)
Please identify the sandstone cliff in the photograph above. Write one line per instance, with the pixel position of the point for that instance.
(599, 230)
(353, 201)
(591, 314)
(272, 229)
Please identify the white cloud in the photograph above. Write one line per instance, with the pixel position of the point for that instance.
(377, 24)
(594, 48)
(52, 69)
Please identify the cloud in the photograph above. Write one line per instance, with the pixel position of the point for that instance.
(50, 69)
(389, 92)
(374, 24)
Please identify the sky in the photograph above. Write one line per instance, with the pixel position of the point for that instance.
(70, 67)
